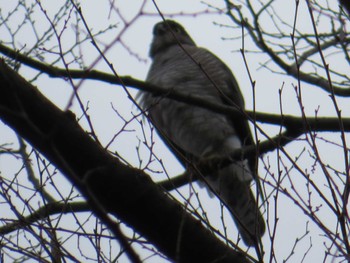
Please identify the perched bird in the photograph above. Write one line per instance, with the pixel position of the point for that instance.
(198, 133)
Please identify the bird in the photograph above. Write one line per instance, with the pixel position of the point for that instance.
(196, 133)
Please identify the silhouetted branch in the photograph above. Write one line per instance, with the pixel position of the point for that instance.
(258, 35)
(106, 183)
(346, 5)
(43, 212)
(207, 166)
(291, 123)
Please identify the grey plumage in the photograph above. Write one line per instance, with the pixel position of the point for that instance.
(197, 132)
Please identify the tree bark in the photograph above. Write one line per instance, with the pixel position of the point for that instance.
(126, 192)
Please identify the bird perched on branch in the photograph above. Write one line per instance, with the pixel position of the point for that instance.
(197, 133)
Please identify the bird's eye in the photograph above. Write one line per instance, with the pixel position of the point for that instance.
(162, 28)
(159, 30)
(176, 29)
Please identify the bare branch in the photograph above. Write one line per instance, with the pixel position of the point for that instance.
(291, 123)
(103, 180)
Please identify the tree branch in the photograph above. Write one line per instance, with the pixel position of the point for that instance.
(345, 4)
(43, 212)
(291, 123)
(256, 33)
(208, 166)
(123, 191)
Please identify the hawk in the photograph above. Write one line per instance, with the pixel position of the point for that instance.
(198, 133)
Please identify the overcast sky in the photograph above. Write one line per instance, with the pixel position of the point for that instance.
(223, 41)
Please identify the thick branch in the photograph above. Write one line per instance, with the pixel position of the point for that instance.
(125, 192)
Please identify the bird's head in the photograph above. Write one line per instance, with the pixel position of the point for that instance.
(168, 33)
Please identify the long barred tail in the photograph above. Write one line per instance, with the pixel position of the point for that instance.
(238, 197)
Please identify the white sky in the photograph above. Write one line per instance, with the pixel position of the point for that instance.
(292, 222)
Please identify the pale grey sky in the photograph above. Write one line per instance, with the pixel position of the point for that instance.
(292, 221)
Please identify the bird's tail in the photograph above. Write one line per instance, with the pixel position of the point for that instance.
(233, 188)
